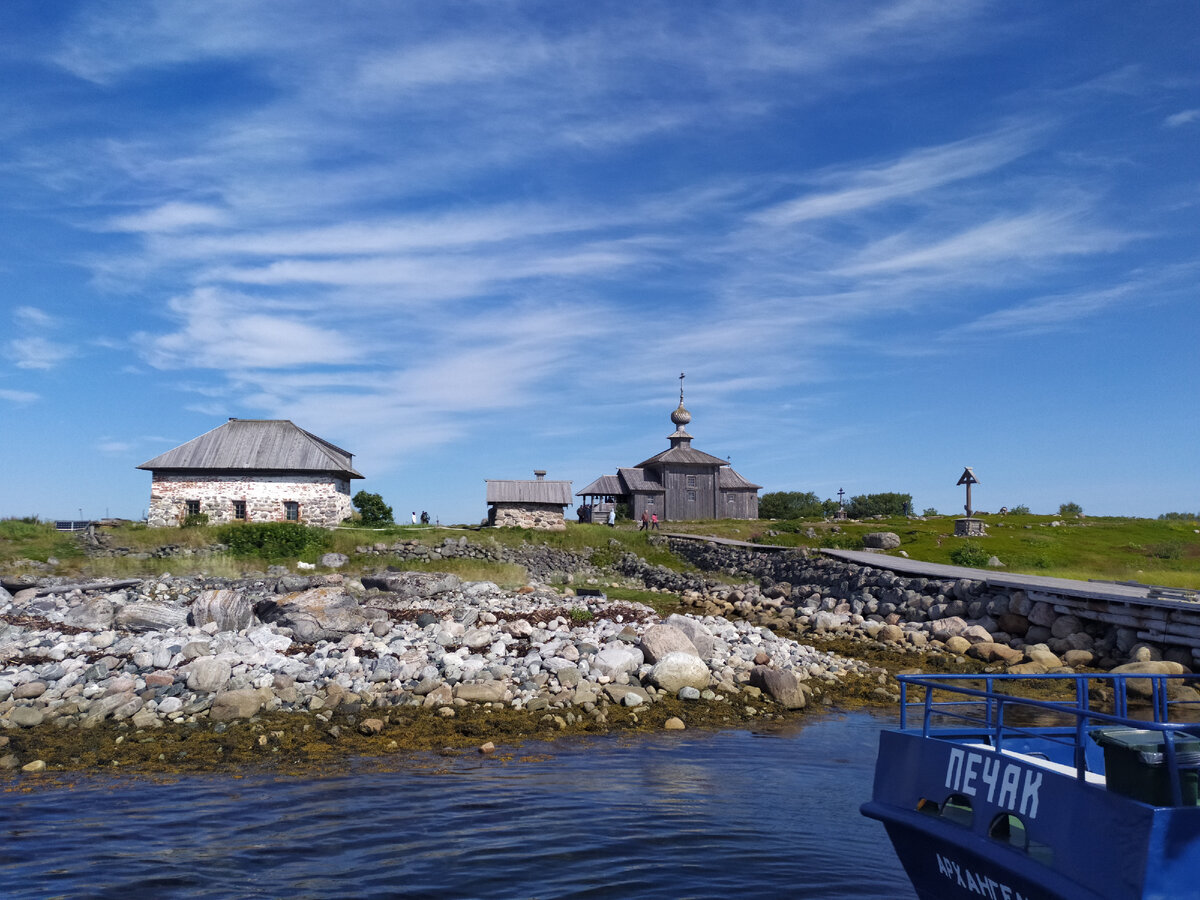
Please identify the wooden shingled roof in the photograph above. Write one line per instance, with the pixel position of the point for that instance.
(732, 481)
(685, 455)
(257, 445)
(555, 493)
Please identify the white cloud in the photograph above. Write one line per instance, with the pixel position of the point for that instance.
(20, 397)
(32, 317)
(174, 216)
(226, 331)
(1182, 118)
(848, 190)
(38, 353)
(1020, 238)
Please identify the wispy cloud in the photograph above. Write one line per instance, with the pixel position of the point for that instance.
(174, 216)
(32, 317)
(850, 190)
(38, 353)
(19, 397)
(1185, 117)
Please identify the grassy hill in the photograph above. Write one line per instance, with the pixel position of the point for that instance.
(1118, 549)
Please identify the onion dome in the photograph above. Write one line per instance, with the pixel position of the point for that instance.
(681, 416)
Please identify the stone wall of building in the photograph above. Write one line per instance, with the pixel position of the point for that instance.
(542, 516)
(323, 500)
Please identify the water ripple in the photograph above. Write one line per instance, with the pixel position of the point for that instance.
(668, 816)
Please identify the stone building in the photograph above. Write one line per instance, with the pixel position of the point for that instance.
(528, 504)
(252, 470)
(679, 483)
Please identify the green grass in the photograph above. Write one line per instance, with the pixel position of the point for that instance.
(506, 575)
(30, 539)
(1150, 551)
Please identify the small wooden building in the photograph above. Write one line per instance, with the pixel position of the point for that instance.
(528, 504)
(679, 483)
(252, 470)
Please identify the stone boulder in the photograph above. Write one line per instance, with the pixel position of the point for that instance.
(989, 651)
(617, 658)
(881, 540)
(480, 691)
(658, 641)
(413, 585)
(94, 614)
(240, 704)
(208, 673)
(702, 639)
(781, 686)
(318, 614)
(229, 610)
(333, 560)
(678, 670)
(151, 615)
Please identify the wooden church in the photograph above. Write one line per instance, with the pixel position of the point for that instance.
(679, 483)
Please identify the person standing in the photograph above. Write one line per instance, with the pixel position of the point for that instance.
(654, 521)
(612, 518)
(645, 526)
(414, 517)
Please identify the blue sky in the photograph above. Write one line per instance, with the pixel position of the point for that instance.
(465, 240)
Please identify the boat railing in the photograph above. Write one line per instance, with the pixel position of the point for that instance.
(985, 705)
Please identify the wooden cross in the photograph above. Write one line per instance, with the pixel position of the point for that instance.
(968, 478)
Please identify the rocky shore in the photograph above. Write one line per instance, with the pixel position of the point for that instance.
(209, 653)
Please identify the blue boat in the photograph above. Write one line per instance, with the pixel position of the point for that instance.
(1071, 787)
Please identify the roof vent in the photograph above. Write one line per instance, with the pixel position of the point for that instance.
(540, 474)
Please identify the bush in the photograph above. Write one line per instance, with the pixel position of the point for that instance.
(866, 505)
(1021, 510)
(790, 505)
(969, 554)
(272, 540)
(1178, 517)
(1070, 509)
(842, 541)
(931, 512)
(1167, 550)
(194, 520)
(372, 509)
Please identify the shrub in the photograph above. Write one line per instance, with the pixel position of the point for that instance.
(1166, 550)
(790, 505)
(1070, 509)
(580, 614)
(931, 512)
(842, 541)
(1021, 510)
(272, 540)
(865, 505)
(969, 554)
(194, 520)
(1178, 517)
(372, 509)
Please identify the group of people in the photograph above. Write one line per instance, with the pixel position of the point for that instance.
(649, 520)
(424, 517)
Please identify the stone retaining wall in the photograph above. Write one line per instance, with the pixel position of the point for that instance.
(825, 594)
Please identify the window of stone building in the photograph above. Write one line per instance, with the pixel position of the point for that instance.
(193, 507)
(239, 509)
(291, 510)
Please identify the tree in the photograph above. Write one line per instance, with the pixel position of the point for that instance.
(1021, 510)
(373, 510)
(1070, 509)
(790, 505)
(866, 505)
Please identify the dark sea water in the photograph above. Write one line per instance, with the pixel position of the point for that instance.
(682, 814)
